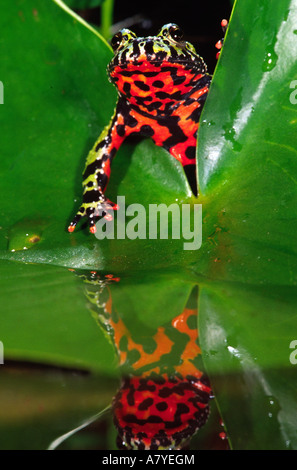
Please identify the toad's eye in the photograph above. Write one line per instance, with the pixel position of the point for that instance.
(176, 33)
(116, 41)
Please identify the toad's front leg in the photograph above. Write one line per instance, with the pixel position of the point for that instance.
(97, 172)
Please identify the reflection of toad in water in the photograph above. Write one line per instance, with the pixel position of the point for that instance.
(163, 398)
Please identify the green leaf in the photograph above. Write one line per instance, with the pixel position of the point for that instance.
(44, 319)
(245, 335)
(57, 119)
(247, 148)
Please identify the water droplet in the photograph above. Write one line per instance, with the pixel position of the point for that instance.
(25, 234)
(273, 406)
(230, 135)
(270, 60)
(208, 123)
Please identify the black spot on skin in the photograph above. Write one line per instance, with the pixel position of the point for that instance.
(176, 96)
(144, 386)
(182, 408)
(158, 84)
(165, 392)
(154, 419)
(162, 95)
(120, 128)
(178, 80)
(130, 121)
(127, 88)
(145, 404)
(142, 86)
(130, 418)
(191, 152)
(162, 406)
(149, 74)
(126, 73)
(147, 130)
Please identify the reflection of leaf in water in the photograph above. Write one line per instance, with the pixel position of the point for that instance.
(245, 333)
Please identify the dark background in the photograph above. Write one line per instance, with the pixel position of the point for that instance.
(199, 20)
